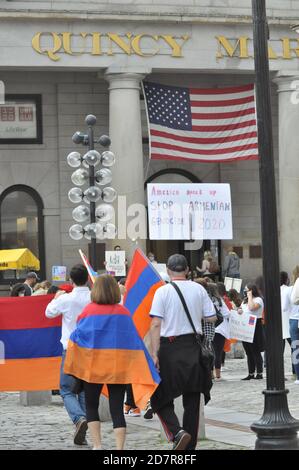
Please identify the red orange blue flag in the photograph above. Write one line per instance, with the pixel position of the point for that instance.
(91, 272)
(142, 282)
(106, 348)
(30, 344)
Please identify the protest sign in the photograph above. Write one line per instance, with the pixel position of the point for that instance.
(242, 327)
(189, 211)
(232, 283)
(59, 273)
(115, 263)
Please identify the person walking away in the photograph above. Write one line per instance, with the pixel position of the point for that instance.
(30, 281)
(106, 349)
(231, 267)
(254, 305)
(70, 306)
(175, 352)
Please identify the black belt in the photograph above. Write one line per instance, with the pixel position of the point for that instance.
(171, 339)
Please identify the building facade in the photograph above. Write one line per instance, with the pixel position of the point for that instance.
(89, 57)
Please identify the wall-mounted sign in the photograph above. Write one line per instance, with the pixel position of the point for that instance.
(21, 120)
(59, 273)
(242, 48)
(189, 211)
(55, 45)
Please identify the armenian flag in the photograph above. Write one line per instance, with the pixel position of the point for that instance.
(142, 282)
(30, 344)
(107, 349)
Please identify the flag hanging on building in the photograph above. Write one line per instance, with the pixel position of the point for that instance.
(30, 348)
(201, 124)
(142, 282)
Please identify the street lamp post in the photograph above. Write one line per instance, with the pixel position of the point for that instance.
(276, 429)
(99, 226)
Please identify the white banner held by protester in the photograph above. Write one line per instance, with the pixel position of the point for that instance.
(116, 262)
(233, 283)
(190, 211)
(242, 327)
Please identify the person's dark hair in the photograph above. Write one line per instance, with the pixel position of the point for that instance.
(53, 290)
(122, 281)
(177, 263)
(16, 289)
(284, 278)
(255, 291)
(221, 289)
(105, 291)
(213, 293)
(117, 246)
(79, 275)
(260, 284)
(235, 297)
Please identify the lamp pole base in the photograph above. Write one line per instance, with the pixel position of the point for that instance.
(277, 429)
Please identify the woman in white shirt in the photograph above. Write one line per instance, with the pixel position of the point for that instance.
(286, 308)
(254, 305)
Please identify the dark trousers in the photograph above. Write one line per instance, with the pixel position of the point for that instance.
(218, 344)
(254, 358)
(290, 343)
(170, 422)
(116, 403)
(130, 397)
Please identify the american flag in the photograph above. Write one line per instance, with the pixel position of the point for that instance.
(201, 125)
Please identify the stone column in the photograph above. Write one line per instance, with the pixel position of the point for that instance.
(126, 142)
(288, 200)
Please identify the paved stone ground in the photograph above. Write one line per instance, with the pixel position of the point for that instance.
(49, 427)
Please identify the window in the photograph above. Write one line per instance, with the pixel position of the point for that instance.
(22, 223)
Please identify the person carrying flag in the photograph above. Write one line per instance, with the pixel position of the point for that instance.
(70, 306)
(175, 352)
(106, 349)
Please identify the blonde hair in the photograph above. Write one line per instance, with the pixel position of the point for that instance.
(105, 291)
(207, 255)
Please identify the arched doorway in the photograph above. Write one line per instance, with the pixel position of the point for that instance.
(22, 225)
(164, 248)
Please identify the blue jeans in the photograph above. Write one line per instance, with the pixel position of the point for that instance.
(74, 404)
(294, 330)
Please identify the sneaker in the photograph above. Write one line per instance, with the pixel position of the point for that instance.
(249, 377)
(80, 433)
(181, 440)
(127, 409)
(296, 382)
(218, 379)
(148, 411)
(258, 377)
(135, 412)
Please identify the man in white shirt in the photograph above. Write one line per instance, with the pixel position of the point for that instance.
(70, 306)
(176, 353)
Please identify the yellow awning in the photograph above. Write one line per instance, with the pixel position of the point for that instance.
(19, 259)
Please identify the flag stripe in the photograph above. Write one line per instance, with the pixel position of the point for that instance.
(237, 130)
(206, 146)
(121, 338)
(221, 91)
(30, 374)
(205, 140)
(228, 159)
(231, 102)
(197, 151)
(31, 343)
(20, 313)
(228, 115)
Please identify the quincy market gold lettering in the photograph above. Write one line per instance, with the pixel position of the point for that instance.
(96, 44)
(283, 48)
